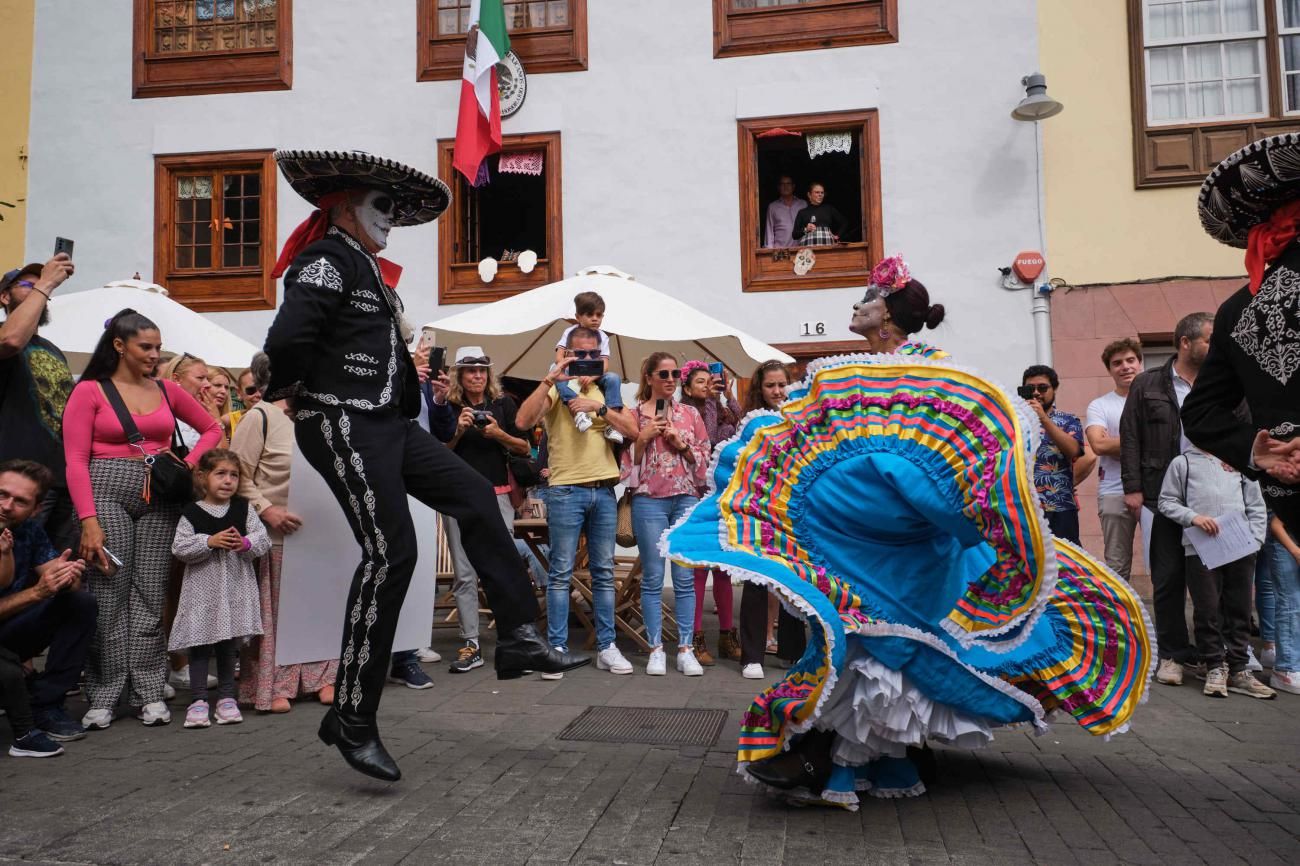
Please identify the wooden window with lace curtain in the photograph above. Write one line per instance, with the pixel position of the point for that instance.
(214, 229)
(211, 46)
(519, 209)
(766, 26)
(547, 35)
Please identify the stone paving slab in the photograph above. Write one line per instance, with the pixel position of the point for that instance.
(485, 781)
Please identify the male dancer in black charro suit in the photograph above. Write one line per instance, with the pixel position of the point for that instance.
(338, 353)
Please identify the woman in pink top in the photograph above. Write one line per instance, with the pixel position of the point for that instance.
(106, 478)
(666, 469)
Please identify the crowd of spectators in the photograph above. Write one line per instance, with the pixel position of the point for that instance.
(102, 568)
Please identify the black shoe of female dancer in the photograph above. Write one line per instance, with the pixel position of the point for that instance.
(357, 738)
(806, 764)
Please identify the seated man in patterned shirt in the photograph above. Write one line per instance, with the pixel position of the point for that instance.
(1061, 445)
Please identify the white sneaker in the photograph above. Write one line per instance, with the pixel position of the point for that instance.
(1286, 681)
(97, 720)
(687, 664)
(1252, 663)
(427, 655)
(583, 420)
(155, 714)
(658, 664)
(752, 671)
(613, 436)
(1268, 656)
(181, 680)
(1169, 673)
(559, 675)
(610, 659)
(168, 692)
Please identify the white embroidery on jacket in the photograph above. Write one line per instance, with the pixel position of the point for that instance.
(322, 273)
(1269, 328)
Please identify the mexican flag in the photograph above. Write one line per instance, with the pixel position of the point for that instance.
(478, 129)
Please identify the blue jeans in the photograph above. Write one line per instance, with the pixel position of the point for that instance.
(569, 511)
(1285, 572)
(610, 383)
(1265, 599)
(650, 517)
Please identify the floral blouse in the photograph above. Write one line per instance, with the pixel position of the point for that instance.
(719, 421)
(661, 471)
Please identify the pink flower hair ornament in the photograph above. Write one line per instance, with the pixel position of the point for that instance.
(690, 367)
(890, 275)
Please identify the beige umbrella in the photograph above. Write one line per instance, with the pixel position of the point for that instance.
(520, 332)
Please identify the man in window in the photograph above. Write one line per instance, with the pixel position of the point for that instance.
(778, 228)
(819, 224)
(338, 354)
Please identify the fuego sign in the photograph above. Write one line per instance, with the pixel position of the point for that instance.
(1029, 266)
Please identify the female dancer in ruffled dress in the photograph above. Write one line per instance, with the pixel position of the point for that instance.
(891, 502)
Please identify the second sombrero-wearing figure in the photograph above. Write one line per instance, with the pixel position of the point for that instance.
(338, 352)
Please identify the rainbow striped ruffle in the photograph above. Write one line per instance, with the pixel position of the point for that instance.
(1018, 625)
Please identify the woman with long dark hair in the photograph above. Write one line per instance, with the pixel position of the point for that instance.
(665, 469)
(760, 611)
(107, 480)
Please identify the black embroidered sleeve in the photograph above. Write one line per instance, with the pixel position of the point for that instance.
(313, 294)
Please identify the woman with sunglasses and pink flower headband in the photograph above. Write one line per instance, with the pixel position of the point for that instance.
(665, 469)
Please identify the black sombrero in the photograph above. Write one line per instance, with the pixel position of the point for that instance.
(1248, 186)
(418, 197)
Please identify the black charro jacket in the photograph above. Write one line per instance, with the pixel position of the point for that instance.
(1254, 355)
(337, 340)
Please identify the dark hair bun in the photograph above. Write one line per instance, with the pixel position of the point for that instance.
(935, 316)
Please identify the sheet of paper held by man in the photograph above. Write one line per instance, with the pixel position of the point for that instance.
(1234, 540)
(318, 563)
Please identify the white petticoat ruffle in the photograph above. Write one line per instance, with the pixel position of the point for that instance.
(877, 712)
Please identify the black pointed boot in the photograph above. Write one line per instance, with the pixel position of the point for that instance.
(522, 650)
(806, 764)
(357, 739)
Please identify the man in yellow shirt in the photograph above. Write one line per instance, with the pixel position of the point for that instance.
(580, 497)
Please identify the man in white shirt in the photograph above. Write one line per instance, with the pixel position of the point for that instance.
(1123, 360)
(779, 224)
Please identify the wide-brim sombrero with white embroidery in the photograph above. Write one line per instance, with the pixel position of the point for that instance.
(418, 197)
(1244, 189)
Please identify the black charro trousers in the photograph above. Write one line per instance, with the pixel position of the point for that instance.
(371, 461)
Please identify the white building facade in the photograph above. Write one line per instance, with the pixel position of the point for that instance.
(652, 137)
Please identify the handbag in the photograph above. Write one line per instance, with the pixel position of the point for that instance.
(166, 474)
(624, 533)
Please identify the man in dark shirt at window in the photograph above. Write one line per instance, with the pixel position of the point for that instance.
(42, 607)
(34, 386)
(819, 224)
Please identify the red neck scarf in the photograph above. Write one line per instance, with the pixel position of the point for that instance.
(313, 229)
(1269, 239)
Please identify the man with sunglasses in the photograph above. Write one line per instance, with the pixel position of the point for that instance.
(1061, 445)
(34, 386)
(580, 498)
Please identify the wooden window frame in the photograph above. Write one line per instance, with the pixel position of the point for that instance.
(459, 283)
(544, 49)
(830, 24)
(211, 71)
(216, 289)
(1182, 154)
(837, 267)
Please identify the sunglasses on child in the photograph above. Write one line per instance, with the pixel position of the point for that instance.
(668, 374)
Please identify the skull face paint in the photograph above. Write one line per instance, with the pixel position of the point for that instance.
(375, 216)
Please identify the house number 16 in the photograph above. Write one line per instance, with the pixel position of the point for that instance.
(812, 329)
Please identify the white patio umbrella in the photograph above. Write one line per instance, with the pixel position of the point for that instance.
(77, 322)
(520, 332)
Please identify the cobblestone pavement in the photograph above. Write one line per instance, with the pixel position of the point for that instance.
(485, 781)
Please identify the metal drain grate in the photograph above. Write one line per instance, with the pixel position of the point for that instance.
(652, 727)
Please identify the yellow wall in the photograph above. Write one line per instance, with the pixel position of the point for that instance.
(17, 18)
(1099, 228)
